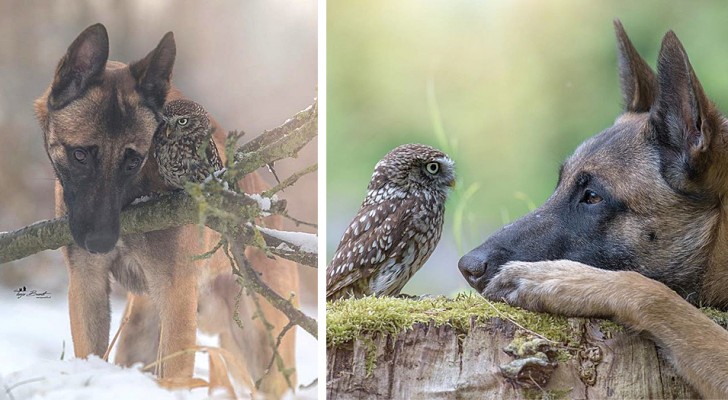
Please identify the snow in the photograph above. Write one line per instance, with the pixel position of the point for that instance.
(307, 242)
(284, 247)
(35, 332)
(90, 379)
(263, 202)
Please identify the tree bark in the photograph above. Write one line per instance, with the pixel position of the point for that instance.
(440, 362)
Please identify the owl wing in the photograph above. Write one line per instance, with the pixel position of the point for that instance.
(206, 162)
(367, 243)
(213, 156)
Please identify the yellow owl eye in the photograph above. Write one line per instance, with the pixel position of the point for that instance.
(182, 121)
(433, 167)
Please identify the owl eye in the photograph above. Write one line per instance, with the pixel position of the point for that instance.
(433, 167)
(183, 121)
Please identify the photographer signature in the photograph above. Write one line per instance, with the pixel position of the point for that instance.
(24, 292)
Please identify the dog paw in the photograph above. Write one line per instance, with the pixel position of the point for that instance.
(561, 287)
(518, 283)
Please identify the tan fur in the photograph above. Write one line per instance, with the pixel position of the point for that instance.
(665, 162)
(696, 345)
(178, 293)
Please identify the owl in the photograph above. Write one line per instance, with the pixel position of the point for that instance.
(183, 145)
(397, 227)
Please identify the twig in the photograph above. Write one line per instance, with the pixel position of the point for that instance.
(276, 354)
(211, 252)
(300, 222)
(509, 318)
(252, 282)
(290, 180)
(269, 330)
(124, 321)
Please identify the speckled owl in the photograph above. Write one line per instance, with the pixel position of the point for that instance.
(397, 227)
(183, 144)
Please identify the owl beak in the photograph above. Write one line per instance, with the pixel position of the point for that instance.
(452, 183)
(167, 131)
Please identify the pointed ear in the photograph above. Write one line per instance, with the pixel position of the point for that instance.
(83, 63)
(154, 72)
(684, 119)
(635, 76)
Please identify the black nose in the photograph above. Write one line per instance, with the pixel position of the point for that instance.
(100, 242)
(473, 266)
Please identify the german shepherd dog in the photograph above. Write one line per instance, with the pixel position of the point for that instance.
(640, 214)
(98, 118)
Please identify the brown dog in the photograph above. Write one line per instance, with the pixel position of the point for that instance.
(98, 118)
(642, 203)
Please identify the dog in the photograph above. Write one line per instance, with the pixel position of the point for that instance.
(98, 118)
(637, 227)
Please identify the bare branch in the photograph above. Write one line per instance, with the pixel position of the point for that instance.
(290, 180)
(251, 281)
(282, 142)
(300, 222)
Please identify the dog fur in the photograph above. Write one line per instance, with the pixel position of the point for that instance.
(637, 228)
(98, 118)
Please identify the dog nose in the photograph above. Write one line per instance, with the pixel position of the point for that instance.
(473, 266)
(100, 242)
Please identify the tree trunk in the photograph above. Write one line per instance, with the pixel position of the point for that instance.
(431, 361)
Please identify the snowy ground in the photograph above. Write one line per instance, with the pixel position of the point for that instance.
(35, 334)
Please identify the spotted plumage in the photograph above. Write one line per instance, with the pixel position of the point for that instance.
(183, 145)
(397, 227)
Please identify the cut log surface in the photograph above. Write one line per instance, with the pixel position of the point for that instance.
(592, 359)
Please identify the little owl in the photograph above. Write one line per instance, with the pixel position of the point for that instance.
(397, 227)
(183, 144)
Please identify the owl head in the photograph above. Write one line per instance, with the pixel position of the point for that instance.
(184, 118)
(415, 167)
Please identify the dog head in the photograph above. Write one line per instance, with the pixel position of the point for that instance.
(642, 195)
(98, 118)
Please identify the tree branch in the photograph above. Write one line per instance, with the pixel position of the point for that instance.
(179, 208)
(282, 142)
(251, 281)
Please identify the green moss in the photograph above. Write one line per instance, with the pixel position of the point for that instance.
(371, 357)
(720, 317)
(609, 328)
(350, 319)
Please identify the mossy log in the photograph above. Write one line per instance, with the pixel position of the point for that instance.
(469, 348)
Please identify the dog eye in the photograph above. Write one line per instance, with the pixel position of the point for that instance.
(182, 121)
(591, 197)
(134, 163)
(80, 155)
(433, 167)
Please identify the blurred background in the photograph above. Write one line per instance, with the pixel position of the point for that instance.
(252, 64)
(507, 88)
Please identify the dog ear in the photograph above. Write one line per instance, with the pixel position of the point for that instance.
(636, 78)
(83, 63)
(154, 72)
(683, 117)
